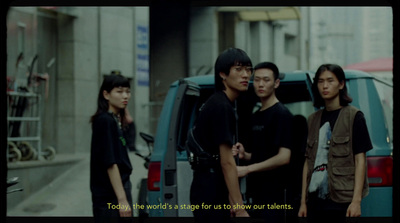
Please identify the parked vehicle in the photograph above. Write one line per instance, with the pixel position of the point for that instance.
(142, 195)
(170, 175)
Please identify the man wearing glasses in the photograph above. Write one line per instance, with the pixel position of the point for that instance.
(215, 186)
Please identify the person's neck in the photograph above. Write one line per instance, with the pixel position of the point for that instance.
(268, 102)
(114, 111)
(231, 94)
(333, 105)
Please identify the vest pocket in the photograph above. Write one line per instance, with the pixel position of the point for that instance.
(341, 147)
(343, 178)
(310, 144)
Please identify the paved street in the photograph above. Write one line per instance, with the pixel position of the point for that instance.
(69, 194)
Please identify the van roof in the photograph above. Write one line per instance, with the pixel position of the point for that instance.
(208, 79)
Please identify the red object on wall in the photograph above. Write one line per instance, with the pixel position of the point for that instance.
(381, 64)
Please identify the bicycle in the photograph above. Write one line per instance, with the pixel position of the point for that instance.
(19, 103)
(11, 182)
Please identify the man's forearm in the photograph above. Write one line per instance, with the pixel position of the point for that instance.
(282, 158)
(247, 156)
(359, 177)
(230, 174)
(304, 183)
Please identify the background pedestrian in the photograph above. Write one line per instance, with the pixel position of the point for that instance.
(110, 167)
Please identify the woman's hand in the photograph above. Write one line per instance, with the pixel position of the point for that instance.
(125, 210)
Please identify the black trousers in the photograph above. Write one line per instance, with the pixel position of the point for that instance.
(107, 215)
(320, 210)
(209, 191)
(103, 211)
(269, 205)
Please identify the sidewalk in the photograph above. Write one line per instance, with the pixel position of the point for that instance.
(69, 194)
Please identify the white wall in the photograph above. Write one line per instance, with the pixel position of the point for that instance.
(97, 41)
(263, 41)
(141, 93)
(203, 40)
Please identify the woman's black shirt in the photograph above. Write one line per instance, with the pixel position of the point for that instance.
(108, 147)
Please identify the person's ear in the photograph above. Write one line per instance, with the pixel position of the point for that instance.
(106, 95)
(341, 85)
(277, 83)
(222, 75)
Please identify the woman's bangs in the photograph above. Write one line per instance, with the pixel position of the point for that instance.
(121, 82)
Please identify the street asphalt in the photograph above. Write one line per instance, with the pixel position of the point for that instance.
(69, 194)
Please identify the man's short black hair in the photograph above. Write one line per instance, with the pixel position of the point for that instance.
(230, 57)
(268, 65)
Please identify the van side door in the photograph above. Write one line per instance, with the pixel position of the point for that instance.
(182, 115)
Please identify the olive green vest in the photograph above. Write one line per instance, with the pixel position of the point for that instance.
(341, 163)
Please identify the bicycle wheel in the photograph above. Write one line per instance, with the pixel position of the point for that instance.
(14, 154)
(26, 150)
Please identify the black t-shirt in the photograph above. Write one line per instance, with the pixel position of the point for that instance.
(216, 123)
(361, 139)
(108, 147)
(271, 129)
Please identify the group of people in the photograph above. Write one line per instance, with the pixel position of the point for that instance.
(334, 173)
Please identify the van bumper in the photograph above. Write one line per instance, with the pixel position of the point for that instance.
(378, 203)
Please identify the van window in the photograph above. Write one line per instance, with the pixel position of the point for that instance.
(304, 108)
(385, 92)
(185, 117)
(366, 97)
(191, 104)
(296, 97)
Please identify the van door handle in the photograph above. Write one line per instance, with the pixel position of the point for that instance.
(168, 195)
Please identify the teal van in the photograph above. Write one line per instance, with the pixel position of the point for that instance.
(170, 175)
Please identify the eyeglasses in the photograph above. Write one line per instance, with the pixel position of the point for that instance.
(239, 69)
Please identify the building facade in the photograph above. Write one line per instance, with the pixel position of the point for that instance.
(348, 35)
(154, 46)
(84, 43)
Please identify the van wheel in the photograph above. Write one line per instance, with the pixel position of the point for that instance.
(13, 152)
(142, 198)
